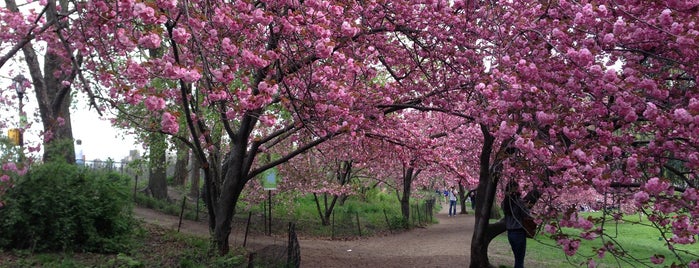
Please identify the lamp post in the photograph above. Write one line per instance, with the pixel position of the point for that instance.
(18, 82)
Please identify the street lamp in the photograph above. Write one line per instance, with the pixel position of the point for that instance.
(18, 82)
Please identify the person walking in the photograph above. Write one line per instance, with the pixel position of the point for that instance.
(79, 155)
(515, 211)
(452, 202)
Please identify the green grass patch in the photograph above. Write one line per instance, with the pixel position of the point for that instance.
(636, 240)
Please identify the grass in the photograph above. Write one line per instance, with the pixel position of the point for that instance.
(156, 247)
(639, 242)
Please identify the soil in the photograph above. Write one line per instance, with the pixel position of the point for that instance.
(445, 244)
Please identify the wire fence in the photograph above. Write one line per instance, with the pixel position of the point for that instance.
(343, 224)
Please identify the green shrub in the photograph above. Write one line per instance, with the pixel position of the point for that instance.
(58, 206)
(397, 222)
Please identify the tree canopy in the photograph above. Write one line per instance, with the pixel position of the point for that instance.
(588, 98)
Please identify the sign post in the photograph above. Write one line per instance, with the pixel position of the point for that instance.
(269, 183)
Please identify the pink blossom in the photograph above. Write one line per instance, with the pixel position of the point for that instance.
(229, 48)
(545, 118)
(253, 59)
(591, 263)
(144, 12)
(267, 89)
(348, 30)
(4, 178)
(150, 41)
(588, 235)
(124, 39)
(191, 76)
(167, 4)
(180, 35)
(651, 111)
(641, 198)
(693, 105)
(169, 123)
(690, 195)
(584, 223)
(682, 116)
(154, 103)
(60, 121)
(601, 252)
(657, 259)
(506, 130)
(268, 120)
(656, 186)
(569, 246)
(323, 48)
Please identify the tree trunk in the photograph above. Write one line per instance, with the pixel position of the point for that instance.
(405, 198)
(326, 211)
(234, 180)
(195, 176)
(181, 164)
(157, 177)
(462, 198)
(53, 98)
(485, 194)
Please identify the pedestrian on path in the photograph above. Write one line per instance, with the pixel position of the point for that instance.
(515, 211)
(452, 202)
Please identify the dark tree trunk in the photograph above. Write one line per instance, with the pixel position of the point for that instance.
(405, 197)
(343, 174)
(327, 209)
(485, 194)
(181, 164)
(234, 180)
(195, 176)
(462, 198)
(409, 175)
(157, 177)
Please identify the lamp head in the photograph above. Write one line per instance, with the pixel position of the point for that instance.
(18, 81)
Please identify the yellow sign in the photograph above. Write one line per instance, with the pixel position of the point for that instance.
(15, 136)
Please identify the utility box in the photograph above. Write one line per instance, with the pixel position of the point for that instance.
(15, 136)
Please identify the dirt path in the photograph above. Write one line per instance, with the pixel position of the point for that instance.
(440, 245)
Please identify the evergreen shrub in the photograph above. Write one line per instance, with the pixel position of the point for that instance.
(62, 207)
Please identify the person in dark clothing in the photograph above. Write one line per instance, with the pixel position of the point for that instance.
(472, 195)
(515, 211)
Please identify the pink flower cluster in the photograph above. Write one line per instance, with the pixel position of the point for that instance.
(570, 246)
(169, 123)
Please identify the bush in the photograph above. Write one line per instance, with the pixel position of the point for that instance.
(397, 222)
(61, 207)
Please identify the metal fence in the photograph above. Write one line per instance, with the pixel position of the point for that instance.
(343, 224)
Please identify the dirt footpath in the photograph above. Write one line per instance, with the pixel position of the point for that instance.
(440, 245)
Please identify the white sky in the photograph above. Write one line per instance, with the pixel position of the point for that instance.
(99, 139)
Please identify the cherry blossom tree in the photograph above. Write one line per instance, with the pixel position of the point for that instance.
(583, 97)
(270, 72)
(326, 172)
(595, 95)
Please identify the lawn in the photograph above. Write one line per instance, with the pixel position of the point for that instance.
(638, 240)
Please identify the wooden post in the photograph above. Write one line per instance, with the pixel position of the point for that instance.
(247, 229)
(184, 198)
(269, 218)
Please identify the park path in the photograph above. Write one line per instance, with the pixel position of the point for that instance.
(446, 244)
